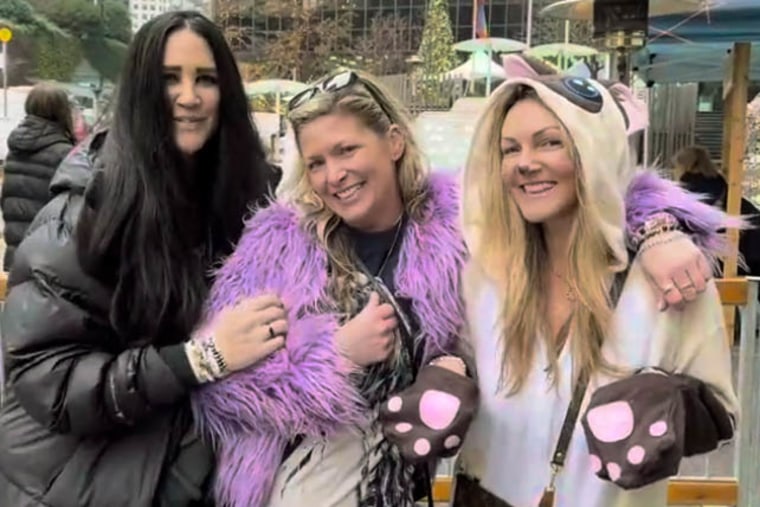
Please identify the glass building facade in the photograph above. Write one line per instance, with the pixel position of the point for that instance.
(262, 19)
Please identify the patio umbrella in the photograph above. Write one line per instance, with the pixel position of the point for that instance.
(478, 66)
(282, 86)
(278, 87)
(583, 10)
(561, 49)
(493, 44)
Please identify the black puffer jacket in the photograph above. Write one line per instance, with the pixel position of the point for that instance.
(35, 149)
(89, 420)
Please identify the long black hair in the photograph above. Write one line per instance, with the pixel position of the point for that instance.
(154, 224)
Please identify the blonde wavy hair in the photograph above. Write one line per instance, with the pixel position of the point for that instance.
(376, 108)
(512, 252)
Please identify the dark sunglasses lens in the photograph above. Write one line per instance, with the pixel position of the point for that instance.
(301, 97)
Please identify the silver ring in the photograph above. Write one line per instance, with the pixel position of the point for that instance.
(271, 333)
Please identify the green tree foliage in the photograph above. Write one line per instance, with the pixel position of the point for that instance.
(56, 57)
(106, 56)
(23, 19)
(315, 42)
(117, 22)
(380, 50)
(81, 18)
(436, 49)
(100, 31)
(29, 27)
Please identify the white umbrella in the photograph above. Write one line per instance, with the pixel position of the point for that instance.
(561, 49)
(279, 87)
(282, 86)
(479, 66)
(494, 44)
(583, 10)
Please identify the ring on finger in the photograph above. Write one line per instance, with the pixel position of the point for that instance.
(271, 332)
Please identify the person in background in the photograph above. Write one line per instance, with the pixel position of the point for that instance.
(35, 149)
(110, 282)
(696, 172)
(81, 128)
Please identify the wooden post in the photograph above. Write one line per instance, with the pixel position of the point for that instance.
(734, 135)
(733, 157)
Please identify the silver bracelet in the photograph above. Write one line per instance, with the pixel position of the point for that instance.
(205, 359)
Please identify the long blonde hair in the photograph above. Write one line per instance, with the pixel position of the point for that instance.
(511, 251)
(373, 105)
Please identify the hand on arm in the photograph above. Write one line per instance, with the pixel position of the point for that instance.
(238, 337)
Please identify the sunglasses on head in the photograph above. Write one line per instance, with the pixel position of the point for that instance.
(331, 85)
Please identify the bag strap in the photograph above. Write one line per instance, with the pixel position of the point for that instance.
(573, 410)
(405, 328)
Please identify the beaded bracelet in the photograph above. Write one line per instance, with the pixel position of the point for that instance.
(660, 240)
(655, 225)
(205, 359)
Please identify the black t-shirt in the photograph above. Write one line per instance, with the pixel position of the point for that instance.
(372, 248)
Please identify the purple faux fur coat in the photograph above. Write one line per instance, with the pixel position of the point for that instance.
(648, 193)
(304, 389)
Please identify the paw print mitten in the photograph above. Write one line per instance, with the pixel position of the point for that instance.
(429, 419)
(637, 429)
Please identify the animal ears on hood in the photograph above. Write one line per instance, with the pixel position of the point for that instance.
(519, 65)
(635, 112)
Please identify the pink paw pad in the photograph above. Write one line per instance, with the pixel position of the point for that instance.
(395, 404)
(403, 427)
(452, 441)
(438, 409)
(611, 422)
(636, 455)
(596, 463)
(422, 447)
(613, 470)
(658, 429)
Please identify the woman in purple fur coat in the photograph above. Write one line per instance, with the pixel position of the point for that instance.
(365, 252)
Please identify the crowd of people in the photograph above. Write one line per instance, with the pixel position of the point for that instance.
(182, 328)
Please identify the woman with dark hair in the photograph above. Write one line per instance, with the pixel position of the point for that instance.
(109, 285)
(35, 149)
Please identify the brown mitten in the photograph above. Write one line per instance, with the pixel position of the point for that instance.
(429, 419)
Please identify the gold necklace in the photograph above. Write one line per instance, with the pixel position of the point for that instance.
(569, 292)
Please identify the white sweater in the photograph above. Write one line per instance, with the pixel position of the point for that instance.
(512, 439)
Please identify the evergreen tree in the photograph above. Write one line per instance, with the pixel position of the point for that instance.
(436, 49)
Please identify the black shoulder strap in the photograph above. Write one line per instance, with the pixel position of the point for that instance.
(571, 417)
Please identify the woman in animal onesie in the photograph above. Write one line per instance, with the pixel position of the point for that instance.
(585, 384)
(364, 249)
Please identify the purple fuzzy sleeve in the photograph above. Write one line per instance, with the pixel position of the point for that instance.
(649, 193)
(303, 388)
